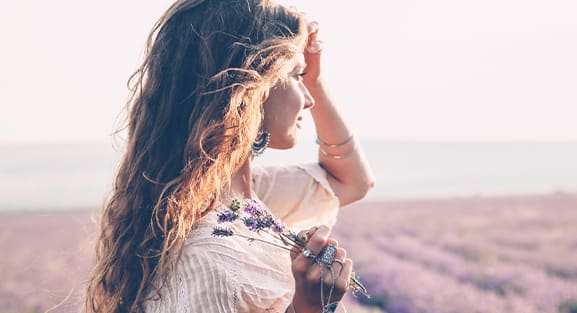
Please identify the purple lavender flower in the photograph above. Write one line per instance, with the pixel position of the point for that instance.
(252, 224)
(267, 221)
(277, 226)
(226, 216)
(257, 219)
(222, 232)
(253, 208)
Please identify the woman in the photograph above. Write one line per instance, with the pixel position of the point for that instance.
(220, 80)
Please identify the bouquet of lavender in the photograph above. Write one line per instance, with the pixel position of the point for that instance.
(258, 220)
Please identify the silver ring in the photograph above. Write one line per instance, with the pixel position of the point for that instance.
(308, 253)
(340, 261)
(328, 255)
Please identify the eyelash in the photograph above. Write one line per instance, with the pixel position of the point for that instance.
(301, 74)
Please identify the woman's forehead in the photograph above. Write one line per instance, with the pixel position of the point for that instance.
(299, 60)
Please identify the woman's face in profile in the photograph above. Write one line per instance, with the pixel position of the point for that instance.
(284, 107)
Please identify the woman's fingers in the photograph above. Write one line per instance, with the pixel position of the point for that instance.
(303, 236)
(322, 273)
(314, 45)
(317, 241)
(303, 261)
(337, 266)
(312, 54)
(313, 30)
(314, 271)
(336, 276)
(342, 282)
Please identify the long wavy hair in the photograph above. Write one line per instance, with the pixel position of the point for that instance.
(194, 110)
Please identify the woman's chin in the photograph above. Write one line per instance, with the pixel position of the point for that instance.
(284, 145)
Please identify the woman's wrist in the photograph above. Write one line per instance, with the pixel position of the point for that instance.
(297, 307)
(339, 149)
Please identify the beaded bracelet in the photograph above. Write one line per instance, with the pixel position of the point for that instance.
(320, 142)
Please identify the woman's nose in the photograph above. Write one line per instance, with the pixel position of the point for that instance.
(309, 100)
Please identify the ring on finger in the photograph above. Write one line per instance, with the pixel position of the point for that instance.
(340, 261)
(307, 253)
(328, 255)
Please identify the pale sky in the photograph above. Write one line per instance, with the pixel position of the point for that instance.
(418, 69)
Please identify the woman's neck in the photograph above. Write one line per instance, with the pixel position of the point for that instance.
(241, 182)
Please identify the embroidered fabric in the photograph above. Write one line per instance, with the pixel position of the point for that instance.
(184, 308)
(231, 274)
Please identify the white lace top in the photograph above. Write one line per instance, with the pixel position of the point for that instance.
(221, 275)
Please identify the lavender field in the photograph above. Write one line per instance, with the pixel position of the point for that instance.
(462, 255)
(467, 255)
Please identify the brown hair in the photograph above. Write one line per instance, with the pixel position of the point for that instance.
(194, 111)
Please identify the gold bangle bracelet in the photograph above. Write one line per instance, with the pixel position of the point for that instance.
(320, 142)
(337, 156)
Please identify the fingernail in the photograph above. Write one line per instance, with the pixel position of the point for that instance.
(315, 47)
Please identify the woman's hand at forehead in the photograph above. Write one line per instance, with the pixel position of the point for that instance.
(312, 53)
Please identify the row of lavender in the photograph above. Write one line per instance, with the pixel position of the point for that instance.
(496, 255)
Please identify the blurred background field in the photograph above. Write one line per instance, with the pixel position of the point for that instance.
(470, 254)
(475, 254)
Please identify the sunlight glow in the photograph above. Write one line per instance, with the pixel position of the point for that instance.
(443, 70)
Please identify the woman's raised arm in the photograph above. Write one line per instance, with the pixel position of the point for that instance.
(339, 151)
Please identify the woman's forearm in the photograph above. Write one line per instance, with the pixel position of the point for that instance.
(340, 153)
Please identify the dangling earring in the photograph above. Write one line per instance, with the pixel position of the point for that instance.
(260, 144)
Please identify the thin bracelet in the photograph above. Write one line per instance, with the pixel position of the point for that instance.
(337, 156)
(320, 142)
